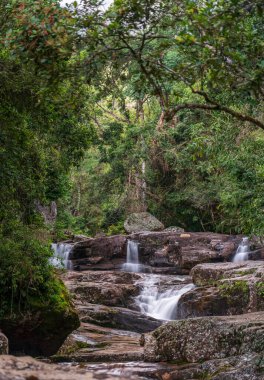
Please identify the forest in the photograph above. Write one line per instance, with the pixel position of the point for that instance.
(108, 110)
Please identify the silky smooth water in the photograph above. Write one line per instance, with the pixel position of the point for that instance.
(60, 259)
(132, 257)
(242, 251)
(160, 305)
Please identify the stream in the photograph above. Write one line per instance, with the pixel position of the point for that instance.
(112, 349)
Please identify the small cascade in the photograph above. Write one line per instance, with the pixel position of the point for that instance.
(242, 251)
(132, 259)
(160, 305)
(60, 259)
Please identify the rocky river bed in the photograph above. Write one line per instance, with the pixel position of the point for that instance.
(189, 313)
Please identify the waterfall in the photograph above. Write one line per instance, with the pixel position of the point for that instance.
(242, 251)
(60, 258)
(132, 260)
(160, 305)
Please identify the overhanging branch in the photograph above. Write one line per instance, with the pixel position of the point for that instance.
(217, 107)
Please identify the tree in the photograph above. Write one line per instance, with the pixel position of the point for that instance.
(204, 45)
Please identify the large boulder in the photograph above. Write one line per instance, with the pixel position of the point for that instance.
(104, 252)
(142, 221)
(3, 344)
(232, 289)
(42, 331)
(200, 339)
(224, 289)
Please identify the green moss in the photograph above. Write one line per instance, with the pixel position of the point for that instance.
(210, 376)
(260, 289)
(246, 272)
(233, 290)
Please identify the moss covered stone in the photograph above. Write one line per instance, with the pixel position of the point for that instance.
(43, 329)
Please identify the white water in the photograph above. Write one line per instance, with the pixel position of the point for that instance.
(160, 305)
(132, 259)
(242, 251)
(60, 258)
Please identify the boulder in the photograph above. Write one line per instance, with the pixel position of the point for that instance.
(224, 289)
(48, 212)
(201, 339)
(3, 344)
(142, 221)
(42, 331)
(26, 368)
(104, 252)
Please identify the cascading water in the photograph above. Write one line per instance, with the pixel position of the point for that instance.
(160, 305)
(242, 251)
(132, 259)
(60, 259)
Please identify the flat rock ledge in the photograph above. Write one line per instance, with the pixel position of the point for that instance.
(92, 343)
(26, 368)
(107, 288)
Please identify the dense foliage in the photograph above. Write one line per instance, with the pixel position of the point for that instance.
(42, 134)
(176, 103)
(147, 105)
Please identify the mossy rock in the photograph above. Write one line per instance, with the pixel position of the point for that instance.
(41, 331)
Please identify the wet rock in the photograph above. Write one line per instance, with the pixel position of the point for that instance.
(245, 367)
(184, 251)
(104, 252)
(142, 221)
(91, 343)
(128, 369)
(117, 317)
(3, 344)
(105, 288)
(201, 339)
(26, 368)
(170, 249)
